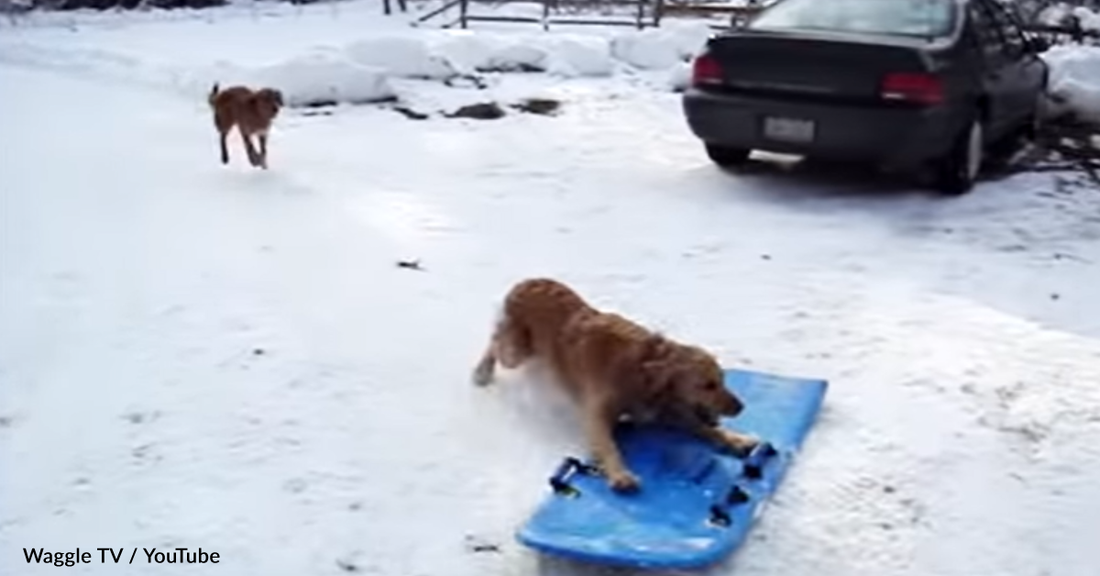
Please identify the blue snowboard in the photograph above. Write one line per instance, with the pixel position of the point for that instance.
(696, 504)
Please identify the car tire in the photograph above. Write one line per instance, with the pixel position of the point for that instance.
(958, 171)
(727, 156)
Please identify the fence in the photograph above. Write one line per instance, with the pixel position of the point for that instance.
(642, 16)
(632, 13)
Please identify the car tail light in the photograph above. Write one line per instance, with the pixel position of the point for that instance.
(918, 88)
(706, 70)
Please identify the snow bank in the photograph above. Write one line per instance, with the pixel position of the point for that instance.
(400, 57)
(688, 37)
(580, 56)
(660, 48)
(518, 56)
(466, 51)
(1075, 81)
(1088, 19)
(679, 77)
(361, 70)
(1060, 13)
(322, 76)
(1053, 15)
(647, 49)
(565, 55)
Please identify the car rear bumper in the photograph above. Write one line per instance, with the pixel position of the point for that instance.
(896, 137)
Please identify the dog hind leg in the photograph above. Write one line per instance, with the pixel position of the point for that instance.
(224, 146)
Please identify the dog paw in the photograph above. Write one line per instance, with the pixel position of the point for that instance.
(739, 445)
(623, 481)
(482, 376)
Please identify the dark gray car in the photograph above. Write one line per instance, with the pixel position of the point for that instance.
(903, 84)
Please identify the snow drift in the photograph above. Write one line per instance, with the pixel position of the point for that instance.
(563, 55)
(1075, 81)
(400, 57)
(322, 77)
(1060, 14)
(360, 70)
(660, 48)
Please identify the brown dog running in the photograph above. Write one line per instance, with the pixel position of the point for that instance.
(612, 367)
(252, 112)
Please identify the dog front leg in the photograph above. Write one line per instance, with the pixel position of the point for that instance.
(738, 444)
(483, 372)
(253, 156)
(599, 421)
(510, 346)
(263, 149)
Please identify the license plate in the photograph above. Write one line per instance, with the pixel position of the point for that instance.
(789, 129)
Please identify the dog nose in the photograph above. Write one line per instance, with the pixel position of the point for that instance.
(734, 407)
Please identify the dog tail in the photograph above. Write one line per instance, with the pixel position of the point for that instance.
(213, 94)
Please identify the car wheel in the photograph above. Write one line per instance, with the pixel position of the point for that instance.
(959, 169)
(727, 156)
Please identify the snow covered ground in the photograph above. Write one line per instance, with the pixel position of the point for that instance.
(204, 356)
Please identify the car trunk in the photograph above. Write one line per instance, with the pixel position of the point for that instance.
(844, 70)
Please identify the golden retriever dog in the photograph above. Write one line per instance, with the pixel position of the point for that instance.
(252, 112)
(612, 368)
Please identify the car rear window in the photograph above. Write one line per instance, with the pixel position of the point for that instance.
(889, 17)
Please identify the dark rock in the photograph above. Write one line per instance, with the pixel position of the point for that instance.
(479, 545)
(318, 104)
(509, 67)
(480, 111)
(544, 106)
(410, 113)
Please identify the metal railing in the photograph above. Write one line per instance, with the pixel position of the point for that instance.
(633, 13)
(551, 14)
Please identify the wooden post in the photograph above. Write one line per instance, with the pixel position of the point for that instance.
(403, 5)
(386, 7)
(462, 7)
(545, 15)
(641, 13)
